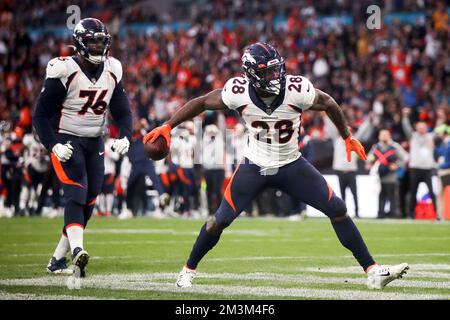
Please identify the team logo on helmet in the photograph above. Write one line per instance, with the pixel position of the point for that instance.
(247, 57)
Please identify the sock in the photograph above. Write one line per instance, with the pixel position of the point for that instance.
(75, 235)
(351, 239)
(203, 244)
(109, 202)
(24, 195)
(62, 248)
(102, 203)
(74, 223)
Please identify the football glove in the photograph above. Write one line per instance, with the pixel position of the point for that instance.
(62, 151)
(121, 146)
(164, 199)
(155, 133)
(352, 144)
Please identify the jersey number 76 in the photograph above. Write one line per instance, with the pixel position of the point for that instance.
(98, 107)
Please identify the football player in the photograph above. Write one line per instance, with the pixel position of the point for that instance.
(37, 164)
(70, 119)
(271, 104)
(106, 196)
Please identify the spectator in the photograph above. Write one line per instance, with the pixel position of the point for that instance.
(213, 163)
(387, 157)
(421, 155)
(402, 64)
(443, 153)
(141, 168)
(183, 152)
(345, 170)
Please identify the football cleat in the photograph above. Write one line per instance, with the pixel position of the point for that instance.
(379, 276)
(185, 278)
(80, 258)
(58, 267)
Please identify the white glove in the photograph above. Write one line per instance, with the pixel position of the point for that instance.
(63, 151)
(121, 146)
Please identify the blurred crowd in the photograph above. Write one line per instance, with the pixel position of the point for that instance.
(379, 77)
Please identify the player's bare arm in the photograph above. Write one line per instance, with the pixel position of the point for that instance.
(194, 107)
(191, 109)
(324, 102)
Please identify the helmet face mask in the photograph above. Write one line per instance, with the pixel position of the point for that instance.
(92, 40)
(264, 68)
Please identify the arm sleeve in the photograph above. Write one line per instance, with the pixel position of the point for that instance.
(330, 129)
(407, 128)
(121, 112)
(48, 106)
(402, 155)
(365, 130)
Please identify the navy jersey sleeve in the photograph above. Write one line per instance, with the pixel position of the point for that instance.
(48, 109)
(121, 112)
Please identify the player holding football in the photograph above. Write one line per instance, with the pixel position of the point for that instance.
(70, 119)
(271, 104)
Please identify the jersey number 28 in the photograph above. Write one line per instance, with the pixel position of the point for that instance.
(283, 131)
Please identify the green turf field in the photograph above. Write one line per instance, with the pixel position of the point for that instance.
(255, 259)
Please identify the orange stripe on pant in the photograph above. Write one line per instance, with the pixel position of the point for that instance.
(330, 192)
(62, 176)
(182, 177)
(26, 176)
(227, 194)
(92, 202)
(165, 179)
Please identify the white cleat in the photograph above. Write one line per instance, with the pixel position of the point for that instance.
(379, 276)
(185, 278)
(125, 214)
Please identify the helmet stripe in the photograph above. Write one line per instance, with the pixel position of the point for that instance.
(262, 45)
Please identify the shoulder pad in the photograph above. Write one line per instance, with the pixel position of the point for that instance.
(56, 68)
(116, 68)
(235, 92)
(301, 91)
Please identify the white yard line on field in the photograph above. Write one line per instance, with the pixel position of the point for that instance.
(139, 282)
(29, 296)
(413, 267)
(252, 232)
(288, 278)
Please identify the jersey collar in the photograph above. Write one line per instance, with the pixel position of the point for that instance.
(261, 105)
(92, 76)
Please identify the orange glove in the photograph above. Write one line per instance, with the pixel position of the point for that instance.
(352, 144)
(164, 130)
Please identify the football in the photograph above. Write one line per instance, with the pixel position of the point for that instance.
(157, 150)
